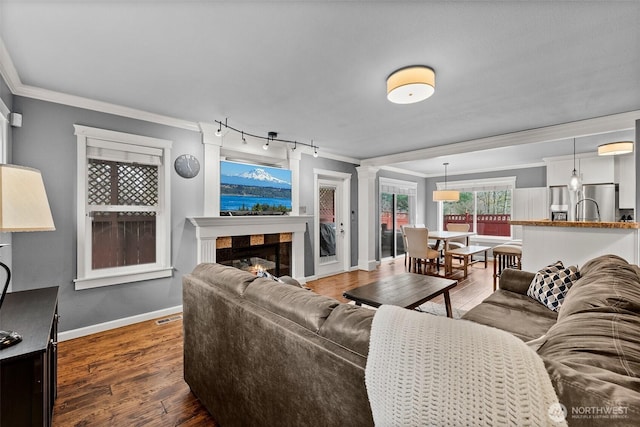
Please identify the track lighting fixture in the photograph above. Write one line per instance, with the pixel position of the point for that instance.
(271, 136)
(219, 131)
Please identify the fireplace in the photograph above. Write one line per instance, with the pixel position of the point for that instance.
(214, 231)
(271, 252)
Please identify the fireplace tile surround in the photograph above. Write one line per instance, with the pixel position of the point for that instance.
(214, 231)
(271, 252)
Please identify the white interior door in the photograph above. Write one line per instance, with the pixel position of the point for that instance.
(332, 228)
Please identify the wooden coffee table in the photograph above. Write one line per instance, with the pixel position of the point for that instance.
(407, 290)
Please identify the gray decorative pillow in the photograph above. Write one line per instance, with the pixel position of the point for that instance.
(551, 284)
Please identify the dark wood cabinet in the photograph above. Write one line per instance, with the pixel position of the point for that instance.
(28, 370)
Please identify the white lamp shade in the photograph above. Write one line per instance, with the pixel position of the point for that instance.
(411, 84)
(446, 196)
(615, 148)
(23, 200)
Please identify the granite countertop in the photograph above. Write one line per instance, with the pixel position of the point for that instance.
(576, 224)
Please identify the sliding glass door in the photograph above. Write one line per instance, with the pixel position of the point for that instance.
(397, 208)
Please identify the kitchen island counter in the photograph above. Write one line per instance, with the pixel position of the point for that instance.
(576, 242)
(577, 224)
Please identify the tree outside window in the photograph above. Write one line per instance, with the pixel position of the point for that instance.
(487, 212)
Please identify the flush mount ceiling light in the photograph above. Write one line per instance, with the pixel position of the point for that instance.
(411, 84)
(615, 148)
(446, 195)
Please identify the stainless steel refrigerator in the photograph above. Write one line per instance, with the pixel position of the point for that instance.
(560, 204)
(597, 202)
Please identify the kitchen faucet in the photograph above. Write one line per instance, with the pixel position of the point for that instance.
(587, 199)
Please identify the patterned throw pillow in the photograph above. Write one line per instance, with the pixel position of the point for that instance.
(551, 284)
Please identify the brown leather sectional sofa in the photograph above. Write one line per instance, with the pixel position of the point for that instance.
(259, 352)
(591, 347)
(263, 353)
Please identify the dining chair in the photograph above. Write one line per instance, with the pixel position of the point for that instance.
(460, 242)
(404, 241)
(420, 254)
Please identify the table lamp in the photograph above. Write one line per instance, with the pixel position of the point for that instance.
(23, 207)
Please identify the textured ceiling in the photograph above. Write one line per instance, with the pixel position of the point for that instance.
(316, 70)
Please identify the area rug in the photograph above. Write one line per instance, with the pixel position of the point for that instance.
(429, 308)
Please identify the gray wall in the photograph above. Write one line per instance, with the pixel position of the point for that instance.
(525, 178)
(46, 142)
(307, 191)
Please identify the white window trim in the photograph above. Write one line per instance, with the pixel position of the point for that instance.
(4, 132)
(88, 278)
(487, 184)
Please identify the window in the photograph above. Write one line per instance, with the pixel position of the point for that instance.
(123, 196)
(484, 204)
(4, 132)
(397, 208)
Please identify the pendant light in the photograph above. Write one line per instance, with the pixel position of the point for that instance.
(574, 181)
(446, 195)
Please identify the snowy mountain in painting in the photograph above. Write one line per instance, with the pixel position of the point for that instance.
(256, 177)
(260, 174)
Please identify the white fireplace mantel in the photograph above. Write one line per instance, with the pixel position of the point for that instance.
(208, 229)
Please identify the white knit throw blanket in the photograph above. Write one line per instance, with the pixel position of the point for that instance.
(425, 370)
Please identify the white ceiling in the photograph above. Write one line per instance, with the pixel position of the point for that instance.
(316, 70)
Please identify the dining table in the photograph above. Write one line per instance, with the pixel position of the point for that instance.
(447, 236)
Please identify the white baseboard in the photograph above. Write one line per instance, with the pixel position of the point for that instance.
(118, 323)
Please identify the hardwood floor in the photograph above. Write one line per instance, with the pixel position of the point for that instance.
(467, 294)
(132, 376)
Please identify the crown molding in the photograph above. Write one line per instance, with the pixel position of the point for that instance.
(495, 169)
(103, 107)
(404, 171)
(581, 128)
(11, 77)
(338, 157)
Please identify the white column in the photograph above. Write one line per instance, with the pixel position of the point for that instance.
(367, 217)
(294, 165)
(211, 169)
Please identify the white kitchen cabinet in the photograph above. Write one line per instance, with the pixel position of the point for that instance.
(592, 170)
(529, 204)
(597, 170)
(559, 171)
(626, 177)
